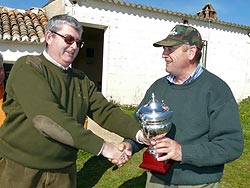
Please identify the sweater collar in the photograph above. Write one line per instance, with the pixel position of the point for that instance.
(50, 59)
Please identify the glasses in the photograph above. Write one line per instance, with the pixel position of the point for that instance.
(68, 39)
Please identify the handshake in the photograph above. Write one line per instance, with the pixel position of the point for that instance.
(120, 153)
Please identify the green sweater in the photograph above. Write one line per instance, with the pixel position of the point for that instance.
(57, 101)
(206, 124)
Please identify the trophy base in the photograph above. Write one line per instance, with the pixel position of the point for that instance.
(151, 163)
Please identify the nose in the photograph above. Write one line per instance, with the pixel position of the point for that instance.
(165, 52)
(74, 44)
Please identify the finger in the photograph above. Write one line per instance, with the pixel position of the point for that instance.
(160, 145)
(163, 158)
(161, 136)
(158, 137)
(120, 163)
(166, 142)
(143, 138)
(114, 161)
(125, 158)
(162, 151)
(127, 149)
(121, 146)
(128, 153)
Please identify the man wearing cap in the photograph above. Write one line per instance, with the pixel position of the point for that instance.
(206, 132)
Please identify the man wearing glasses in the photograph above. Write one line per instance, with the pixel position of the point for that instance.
(46, 106)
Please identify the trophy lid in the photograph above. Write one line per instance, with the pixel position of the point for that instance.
(154, 111)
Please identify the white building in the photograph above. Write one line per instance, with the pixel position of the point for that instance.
(119, 54)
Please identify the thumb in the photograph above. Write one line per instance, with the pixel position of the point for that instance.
(121, 146)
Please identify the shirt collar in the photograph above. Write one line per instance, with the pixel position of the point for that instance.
(193, 76)
(48, 57)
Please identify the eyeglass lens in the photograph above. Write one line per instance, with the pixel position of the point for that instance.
(68, 39)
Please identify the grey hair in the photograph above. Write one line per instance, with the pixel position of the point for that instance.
(55, 23)
(198, 53)
(185, 47)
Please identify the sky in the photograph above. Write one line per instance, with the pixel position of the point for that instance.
(234, 11)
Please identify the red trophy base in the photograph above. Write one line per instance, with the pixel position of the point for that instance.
(151, 163)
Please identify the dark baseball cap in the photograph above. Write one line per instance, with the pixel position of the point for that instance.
(181, 34)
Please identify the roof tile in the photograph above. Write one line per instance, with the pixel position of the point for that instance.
(22, 25)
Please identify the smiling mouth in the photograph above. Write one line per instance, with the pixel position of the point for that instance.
(70, 53)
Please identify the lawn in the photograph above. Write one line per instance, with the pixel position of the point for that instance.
(97, 172)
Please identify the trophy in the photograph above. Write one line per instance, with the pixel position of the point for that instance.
(154, 119)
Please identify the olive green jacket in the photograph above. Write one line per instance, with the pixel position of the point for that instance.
(46, 107)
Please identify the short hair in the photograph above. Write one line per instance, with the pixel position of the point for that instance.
(55, 23)
(198, 53)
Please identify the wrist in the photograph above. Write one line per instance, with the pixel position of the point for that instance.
(102, 149)
(139, 134)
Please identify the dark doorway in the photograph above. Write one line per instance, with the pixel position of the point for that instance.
(90, 57)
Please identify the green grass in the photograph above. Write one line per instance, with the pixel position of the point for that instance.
(97, 172)
(237, 173)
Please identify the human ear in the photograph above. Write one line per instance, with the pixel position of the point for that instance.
(48, 36)
(191, 52)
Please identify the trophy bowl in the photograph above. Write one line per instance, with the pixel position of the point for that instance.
(154, 119)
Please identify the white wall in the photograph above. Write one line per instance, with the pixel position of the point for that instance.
(11, 51)
(131, 63)
(228, 57)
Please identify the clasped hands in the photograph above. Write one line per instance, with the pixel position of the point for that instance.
(120, 153)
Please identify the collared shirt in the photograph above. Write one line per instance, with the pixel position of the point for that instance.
(193, 76)
(48, 57)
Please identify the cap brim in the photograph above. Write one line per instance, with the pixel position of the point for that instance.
(167, 42)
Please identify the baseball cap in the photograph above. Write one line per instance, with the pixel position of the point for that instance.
(181, 34)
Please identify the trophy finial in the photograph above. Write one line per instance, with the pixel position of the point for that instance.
(153, 96)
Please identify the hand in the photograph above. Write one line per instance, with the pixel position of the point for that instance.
(143, 138)
(155, 139)
(111, 151)
(149, 141)
(126, 150)
(168, 149)
(118, 155)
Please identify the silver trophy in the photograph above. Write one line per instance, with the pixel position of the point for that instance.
(154, 119)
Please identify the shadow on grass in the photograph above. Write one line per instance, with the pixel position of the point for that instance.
(92, 171)
(135, 182)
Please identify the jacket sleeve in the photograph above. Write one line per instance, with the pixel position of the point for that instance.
(109, 115)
